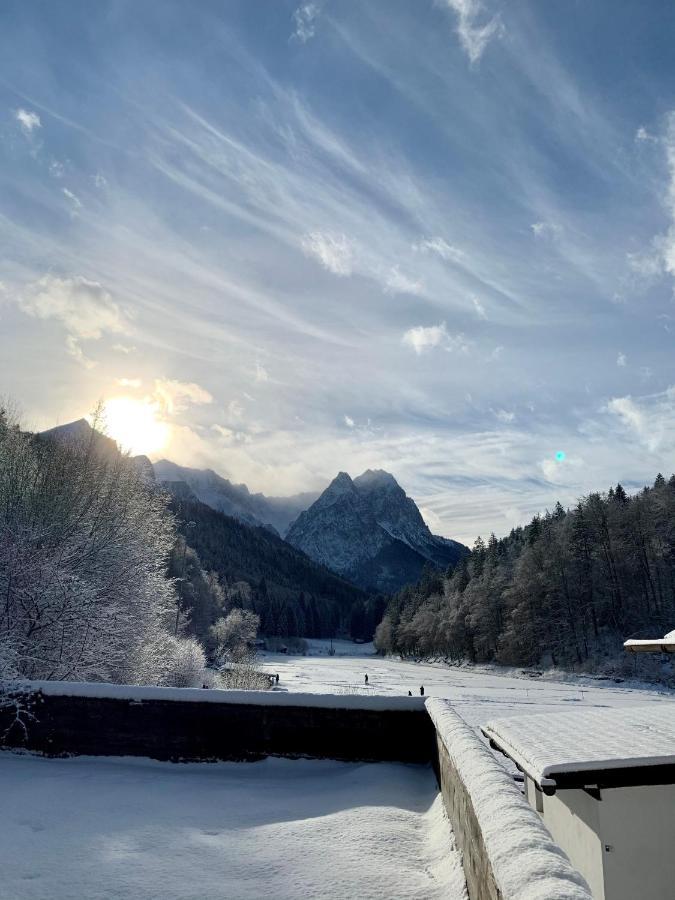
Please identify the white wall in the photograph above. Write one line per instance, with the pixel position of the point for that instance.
(637, 823)
(573, 818)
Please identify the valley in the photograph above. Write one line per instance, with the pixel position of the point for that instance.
(477, 693)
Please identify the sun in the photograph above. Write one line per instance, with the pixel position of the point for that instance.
(134, 425)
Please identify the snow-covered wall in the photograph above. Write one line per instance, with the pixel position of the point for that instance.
(274, 698)
(508, 854)
(182, 724)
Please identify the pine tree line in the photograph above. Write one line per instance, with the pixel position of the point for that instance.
(565, 590)
(226, 564)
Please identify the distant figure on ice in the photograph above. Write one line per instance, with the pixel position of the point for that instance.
(422, 690)
(366, 679)
(410, 693)
(276, 678)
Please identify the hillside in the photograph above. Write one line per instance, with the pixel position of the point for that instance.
(565, 590)
(291, 593)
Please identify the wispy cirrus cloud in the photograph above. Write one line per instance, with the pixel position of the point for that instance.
(474, 32)
(423, 338)
(546, 229)
(175, 396)
(441, 248)
(84, 308)
(29, 121)
(317, 221)
(73, 200)
(304, 21)
(642, 135)
(397, 282)
(335, 252)
(479, 307)
(631, 415)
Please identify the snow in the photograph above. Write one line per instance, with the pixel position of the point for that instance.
(122, 829)
(138, 693)
(588, 740)
(654, 645)
(478, 693)
(526, 862)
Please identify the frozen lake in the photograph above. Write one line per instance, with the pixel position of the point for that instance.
(104, 829)
(477, 693)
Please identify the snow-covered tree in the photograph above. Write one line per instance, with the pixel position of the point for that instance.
(234, 636)
(84, 544)
(183, 662)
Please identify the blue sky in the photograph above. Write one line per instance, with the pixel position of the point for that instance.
(432, 237)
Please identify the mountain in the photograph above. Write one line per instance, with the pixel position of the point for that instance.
(233, 499)
(80, 432)
(292, 594)
(369, 531)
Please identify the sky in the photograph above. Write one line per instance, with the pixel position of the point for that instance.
(284, 239)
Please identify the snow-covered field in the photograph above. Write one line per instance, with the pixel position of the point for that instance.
(105, 829)
(134, 829)
(479, 694)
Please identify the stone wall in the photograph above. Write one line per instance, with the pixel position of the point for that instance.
(163, 727)
(480, 880)
(507, 852)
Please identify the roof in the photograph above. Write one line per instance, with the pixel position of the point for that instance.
(655, 645)
(630, 745)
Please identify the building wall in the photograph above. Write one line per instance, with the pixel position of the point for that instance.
(623, 844)
(638, 823)
(573, 818)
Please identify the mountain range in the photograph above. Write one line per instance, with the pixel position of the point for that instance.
(366, 530)
(234, 500)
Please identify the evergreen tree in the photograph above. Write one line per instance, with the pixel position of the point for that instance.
(567, 589)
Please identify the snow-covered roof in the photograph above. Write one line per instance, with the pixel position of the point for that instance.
(139, 693)
(653, 645)
(587, 741)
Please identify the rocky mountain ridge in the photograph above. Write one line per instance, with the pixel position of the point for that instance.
(232, 499)
(365, 529)
(369, 531)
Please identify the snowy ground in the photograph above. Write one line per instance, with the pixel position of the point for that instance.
(133, 829)
(104, 829)
(478, 694)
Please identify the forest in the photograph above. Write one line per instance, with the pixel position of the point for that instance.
(223, 560)
(87, 544)
(565, 590)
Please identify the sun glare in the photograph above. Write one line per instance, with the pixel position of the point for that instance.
(134, 425)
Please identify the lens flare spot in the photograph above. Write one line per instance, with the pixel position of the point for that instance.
(560, 456)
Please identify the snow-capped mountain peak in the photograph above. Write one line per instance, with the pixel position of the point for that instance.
(370, 531)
